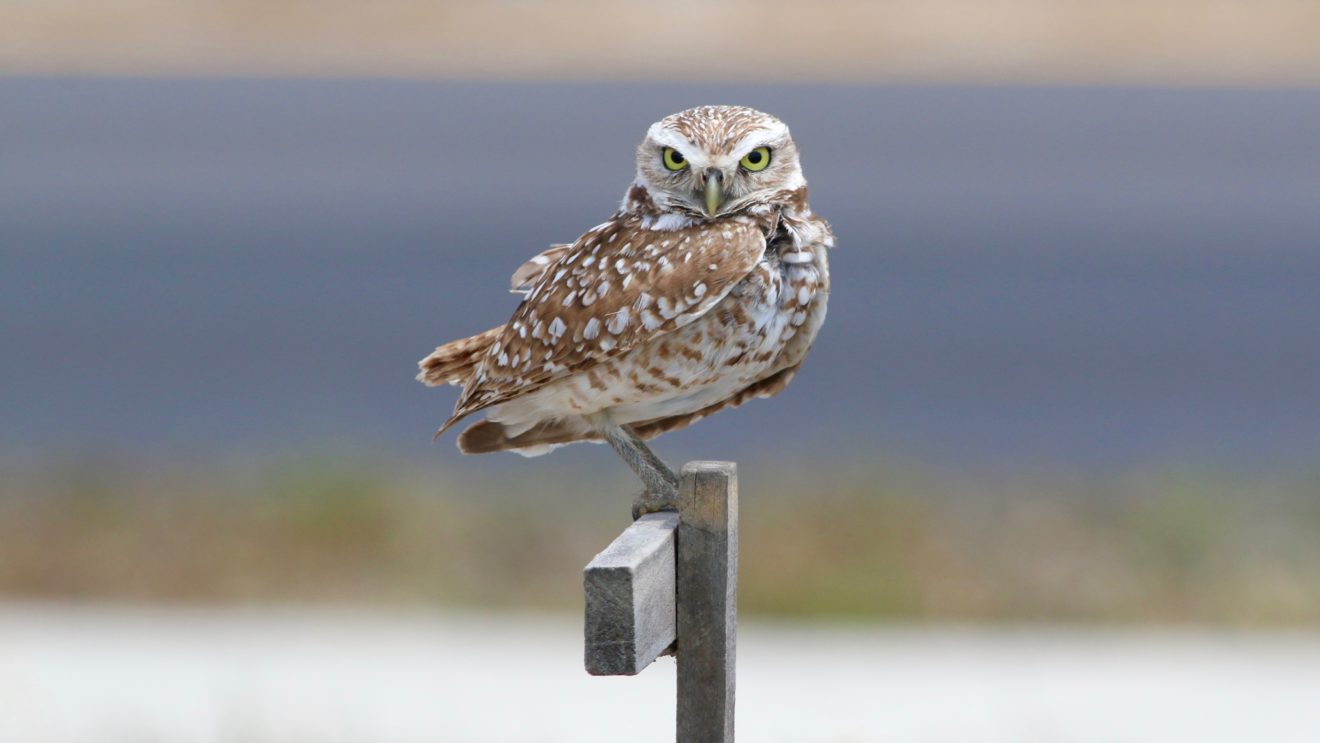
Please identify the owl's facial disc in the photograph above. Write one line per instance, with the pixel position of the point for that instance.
(715, 160)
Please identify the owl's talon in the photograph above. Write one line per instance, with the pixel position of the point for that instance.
(649, 502)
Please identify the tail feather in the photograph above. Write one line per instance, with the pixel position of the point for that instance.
(489, 436)
(454, 362)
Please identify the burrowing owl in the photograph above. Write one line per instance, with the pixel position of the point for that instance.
(705, 289)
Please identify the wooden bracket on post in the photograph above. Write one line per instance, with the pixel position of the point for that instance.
(630, 617)
(673, 579)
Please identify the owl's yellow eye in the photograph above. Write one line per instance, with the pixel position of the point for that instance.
(756, 160)
(674, 159)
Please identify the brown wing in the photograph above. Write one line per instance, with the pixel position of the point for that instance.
(531, 272)
(619, 286)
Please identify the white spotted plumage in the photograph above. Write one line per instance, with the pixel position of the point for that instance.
(663, 314)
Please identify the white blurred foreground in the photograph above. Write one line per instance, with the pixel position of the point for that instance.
(79, 673)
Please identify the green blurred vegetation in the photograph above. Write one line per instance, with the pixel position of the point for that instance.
(864, 543)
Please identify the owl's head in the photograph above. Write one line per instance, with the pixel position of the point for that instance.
(714, 160)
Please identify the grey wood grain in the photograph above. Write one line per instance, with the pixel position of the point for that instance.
(630, 594)
(707, 601)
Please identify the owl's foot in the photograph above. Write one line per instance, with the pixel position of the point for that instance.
(654, 501)
(661, 493)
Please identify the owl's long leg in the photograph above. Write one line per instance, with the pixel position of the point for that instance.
(650, 456)
(661, 483)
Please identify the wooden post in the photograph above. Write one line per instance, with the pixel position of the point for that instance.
(672, 579)
(707, 601)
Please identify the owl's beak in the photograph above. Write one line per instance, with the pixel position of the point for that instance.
(714, 191)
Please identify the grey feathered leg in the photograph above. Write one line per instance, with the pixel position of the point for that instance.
(661, 493)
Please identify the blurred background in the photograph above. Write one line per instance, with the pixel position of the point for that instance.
(1052, 471)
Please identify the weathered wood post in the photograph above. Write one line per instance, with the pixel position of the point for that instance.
(707, 601)
(671, 580)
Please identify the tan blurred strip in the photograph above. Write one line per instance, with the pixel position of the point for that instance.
(1124, 41)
